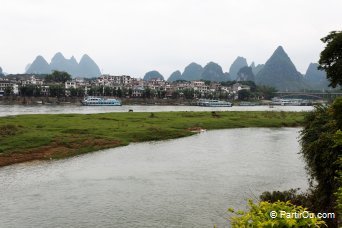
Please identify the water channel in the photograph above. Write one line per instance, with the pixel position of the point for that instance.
(187, 182)
(6, 110)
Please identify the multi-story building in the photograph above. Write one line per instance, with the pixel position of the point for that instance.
(75, 83)
(200, 86)
(137, 91)
(5, 84)
(32, 81)
(114, 80)
(156, 84)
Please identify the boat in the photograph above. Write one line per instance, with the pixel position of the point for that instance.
(246, 103)
(289, 102)
(213, 103)
(99, 101)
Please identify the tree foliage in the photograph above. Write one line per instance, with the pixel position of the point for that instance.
(77, 92)
(56, 91)
(188, 93)
(292, 195)
(338, 194)
(58, 76)
(8, 91)
(331, 58)
(30, 90)
(321, 153)
(266, 92)
(244, 94)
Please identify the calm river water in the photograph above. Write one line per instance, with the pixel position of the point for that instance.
(6, 110)
(187, 182)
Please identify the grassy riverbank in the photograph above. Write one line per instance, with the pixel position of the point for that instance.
(34, 137)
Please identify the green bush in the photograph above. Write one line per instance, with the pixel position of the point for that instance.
(338, 194)
(292, 195)
(321, 155)
(277, 214)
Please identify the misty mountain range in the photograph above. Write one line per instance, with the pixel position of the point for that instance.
(85, 68)
(278, 72)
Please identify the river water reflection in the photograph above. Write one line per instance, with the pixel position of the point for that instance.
(187, 182)
(55, 109)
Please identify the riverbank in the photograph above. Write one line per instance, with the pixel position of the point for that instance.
(52, 136)
(18, 100)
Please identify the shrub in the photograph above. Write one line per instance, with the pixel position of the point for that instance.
(291, 195)
(284, 215)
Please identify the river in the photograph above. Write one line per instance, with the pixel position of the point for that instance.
(187, 182)
(6, 110)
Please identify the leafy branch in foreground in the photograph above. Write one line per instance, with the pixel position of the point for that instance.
(277, 214)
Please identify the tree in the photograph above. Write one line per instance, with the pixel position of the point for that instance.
(266, 92)
(147, 92)
(108, 91)
(244, 94)
(119, 92)
(338, 194)
(57, 91)
(188, 93)
(73, 92)
(331, 58)
(58, 76)
(80, 92)
(130, 92)
(8, 91)
(37, 91)
(27, 90)
(321, 153)
(115, 92)
(175, 94)
(92, 91)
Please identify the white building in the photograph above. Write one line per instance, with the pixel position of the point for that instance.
(200, 86)
(75, 83)
(4, 84)
(114, 80)
(33, 81)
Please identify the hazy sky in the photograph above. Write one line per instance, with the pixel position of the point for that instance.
(135, 36)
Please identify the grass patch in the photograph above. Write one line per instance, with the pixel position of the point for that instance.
(46, 136)
(8, 130)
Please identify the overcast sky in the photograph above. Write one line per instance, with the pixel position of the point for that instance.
(135, 36)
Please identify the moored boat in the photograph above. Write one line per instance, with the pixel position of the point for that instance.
(246, 103)
(290, 102)
(213, 103)
(99, 101)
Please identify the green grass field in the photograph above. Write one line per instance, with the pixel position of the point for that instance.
(31, 137)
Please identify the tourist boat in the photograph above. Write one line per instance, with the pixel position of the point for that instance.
(246, 103)
(289, 102)
(99, 101)
(213, 103)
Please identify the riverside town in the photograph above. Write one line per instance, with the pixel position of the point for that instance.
(120, 86)
(134, 114)
(61, 86)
